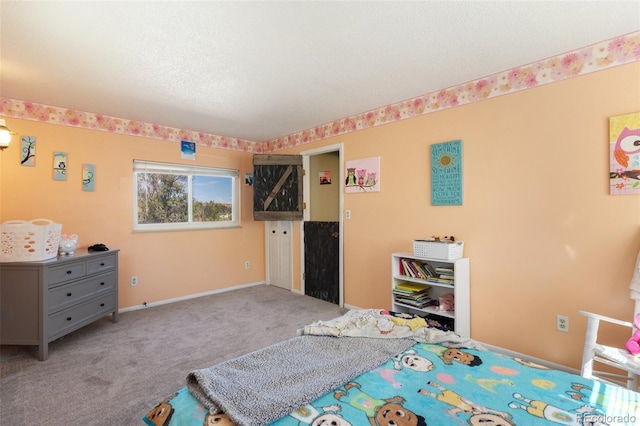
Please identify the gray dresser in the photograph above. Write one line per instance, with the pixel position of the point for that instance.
(42, 301)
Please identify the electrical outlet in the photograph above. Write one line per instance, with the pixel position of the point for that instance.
(347, 214)
(134, 281)
(247, 264)
(562, 323)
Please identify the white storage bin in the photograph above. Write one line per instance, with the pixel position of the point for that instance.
(443, 250)
(24, 241)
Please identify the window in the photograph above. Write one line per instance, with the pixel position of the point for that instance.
(176, 196)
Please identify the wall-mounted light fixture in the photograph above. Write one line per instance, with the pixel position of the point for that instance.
(5, 135)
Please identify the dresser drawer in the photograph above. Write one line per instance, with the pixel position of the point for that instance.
(69, 319)
(102, 264)
(67, 272)
(70, 294)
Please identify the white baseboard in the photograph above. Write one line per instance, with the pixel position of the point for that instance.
(535, 360)
(191, 296)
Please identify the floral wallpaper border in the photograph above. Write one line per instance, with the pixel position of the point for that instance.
(68, 117)
(607, 54)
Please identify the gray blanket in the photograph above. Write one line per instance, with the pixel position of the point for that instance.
(253, 395)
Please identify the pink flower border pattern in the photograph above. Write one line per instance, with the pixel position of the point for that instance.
(607, 54)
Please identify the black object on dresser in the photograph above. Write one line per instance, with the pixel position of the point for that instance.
(44, 300)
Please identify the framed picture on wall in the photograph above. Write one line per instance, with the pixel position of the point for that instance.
(59, 165)
(187, 150)
(28, 152)
(325, 178)
(363, 175)
(624, 154)
(446, 173)
(88, 177)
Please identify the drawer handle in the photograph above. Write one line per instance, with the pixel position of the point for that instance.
(69, 294)
(102, 283)
(68, 318)
(69, 272)
(102, 264)
(102, 304)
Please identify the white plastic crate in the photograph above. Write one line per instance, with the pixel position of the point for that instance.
(438, 249)
(25, 241)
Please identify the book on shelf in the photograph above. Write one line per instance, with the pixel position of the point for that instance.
(420, 302)
(417, 297)
(439, 280)
(431, 272)
(412, 294)
(406, 270)
(445, 277)
(423, 305)
(411, 288)
(424, 274)
(415, 269)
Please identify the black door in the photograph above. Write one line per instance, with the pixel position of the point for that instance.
(321, 260)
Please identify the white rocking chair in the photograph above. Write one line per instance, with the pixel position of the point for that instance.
(617, 357)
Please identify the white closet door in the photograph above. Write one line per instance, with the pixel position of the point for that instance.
(279, 240)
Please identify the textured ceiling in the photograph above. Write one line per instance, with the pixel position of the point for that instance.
(262, 70)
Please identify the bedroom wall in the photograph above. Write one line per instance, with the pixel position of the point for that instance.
(543, 235)
(168, 264)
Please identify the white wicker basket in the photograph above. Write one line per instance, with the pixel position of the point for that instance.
(438, 249)
(24, 241)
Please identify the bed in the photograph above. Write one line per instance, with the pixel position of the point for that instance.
(375, 367)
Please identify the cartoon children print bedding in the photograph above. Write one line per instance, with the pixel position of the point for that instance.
(434, 385)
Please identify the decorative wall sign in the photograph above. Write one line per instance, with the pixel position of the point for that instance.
(248, 179)
(624, 150)
(446, 174)
(188, 150)
(363, 175)
(28, 152)
(59, 165)
(88, 177)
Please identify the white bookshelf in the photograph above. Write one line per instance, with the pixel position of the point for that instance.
(461, 316)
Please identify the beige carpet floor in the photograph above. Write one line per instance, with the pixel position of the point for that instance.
(112, 374)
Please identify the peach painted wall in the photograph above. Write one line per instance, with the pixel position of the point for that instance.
(167, 264)
(543, 235)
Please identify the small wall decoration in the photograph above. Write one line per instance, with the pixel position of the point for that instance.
(59, 165)
(248, 179)
(325, 178)
(188, 150)
(363, 175)
(624, 150)
(28, 152)
(446, 174)
(88, 177)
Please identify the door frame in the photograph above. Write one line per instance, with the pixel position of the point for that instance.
(306, 198)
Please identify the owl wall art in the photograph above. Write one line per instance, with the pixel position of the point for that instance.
(624, 159)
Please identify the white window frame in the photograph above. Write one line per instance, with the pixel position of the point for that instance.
(141, 166)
